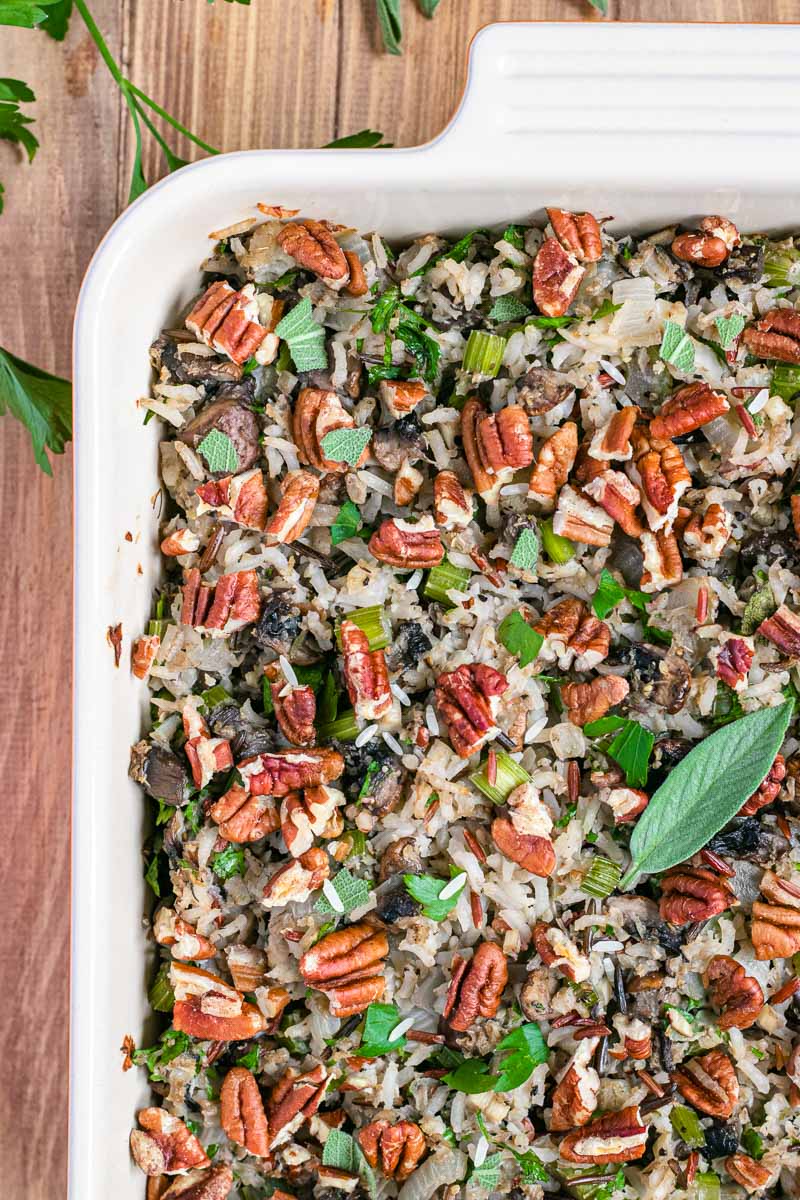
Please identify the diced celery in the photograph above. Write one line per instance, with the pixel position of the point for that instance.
(686, 1124)
(705, 1186)
(558, 549)
(484, 354)
(161, 995)
(215, 695)
(157, 629)
(509, 776)
(785, 382)
(443, 579)
(601, 878)
(371, 621)
(343, 729)
(753, 1144)
(782, 266)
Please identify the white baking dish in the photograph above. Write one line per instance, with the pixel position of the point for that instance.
(650, 123)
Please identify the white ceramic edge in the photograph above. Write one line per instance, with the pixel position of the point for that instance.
(519, 135)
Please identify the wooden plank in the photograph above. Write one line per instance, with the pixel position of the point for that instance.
(55, 212)
(764, 12)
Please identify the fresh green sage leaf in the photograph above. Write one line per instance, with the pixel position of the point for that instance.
(677, 348)
(391, 25)
(219, 452)
(729, 329)
(525, 554)
(508, 308)
(346, 445)
(487, 1175)
(351, 891)
(762, 604)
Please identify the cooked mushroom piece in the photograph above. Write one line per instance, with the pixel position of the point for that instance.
(536, 993)
(160, 772)
(184, 367)
(384, 787)
(236, 422)
(399, 442)
(278, 625)
(541, 390)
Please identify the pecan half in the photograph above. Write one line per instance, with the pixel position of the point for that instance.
(240, 498)
(619, 497)
(180, 541)
(295, 707)
(613, 439)
(575, 1095)
(486, 485)
(662, 478)
(701, 249)
(313, 246)
(186, 944)
(694, 894)
(306, 817)
(749, 1174)
(467, 698)
(579, 520)
(736, 995)
(768, 791)
(452, 503)
(244, 818)
(293, 1101)
(208, 1008)
(708, 1082)
(662, 560)
(227, 321)
(775, 929)
(402, 544)
(553, 465)
(614, 1137)
(317, 413)
(690, 408)
(587, 702)
(625, 803)
(532, 852)
(557, 950)
(579, 233)
(299, 494)
(397, 1149)
(775, 335)
(213, 1184)
(734, 659)
(242, 1113)
(783, 630)
(476, 987)
(164, 1145)
(504, 440)
(572, 635)
(365, 674)
(401, 396)
(557, 276)
(143, 654)
(297, 880)
(345, 965)
(285, 771)
(706, 536)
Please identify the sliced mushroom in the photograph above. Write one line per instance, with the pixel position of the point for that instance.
(536, 993)
(540, 390)
(398, 442)
(236, 422)
(185, 367)
(400, 857)
(160, 772)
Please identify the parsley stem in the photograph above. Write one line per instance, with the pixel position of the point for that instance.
(161, 112)
(99, 41)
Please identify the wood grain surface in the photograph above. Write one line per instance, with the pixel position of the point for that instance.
(269, 75)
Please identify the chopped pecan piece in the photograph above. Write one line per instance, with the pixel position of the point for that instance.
(794, 501)
(476, 987)
(690, 408)
(284, 771)
(401, 396)
(467, 698)
(164, 1145)
(397, 1149)
(403, 544)
(180, 541)
(143, 654)
(365, 674)
(248, 967)
(407, 483)
(572, 635)
(706, 537)
(242, 1113)
(452, 503)
(213, 1184)
(662, 478)
(524, 836)
(206, 755)
(294, 1100)
(316, 414)
(240, 498)
(575, 1095)
(208, 1008)
(615, 493)
(557, 276)
(636, 1037)
(614, 1137)
(357, 284)
(186, 944)
(504, 440)
(769, 789)
(579, 520)
(587, 702)
(553, 465)
(297, 880)
(700, 249)
(313, 246)
(625, 803)
(299, 494)
(556, 949)
(308, 817)
(295, 707)
(346, 965)
(694, 894)
(734, 659)
(708, 1082)
(244, 818)
(783, 630)
(613, 439)
(749, 1174)
(579, 233)
(736, 995)
(775, 335)
(227, 321)
(235, 598)
(662, 560)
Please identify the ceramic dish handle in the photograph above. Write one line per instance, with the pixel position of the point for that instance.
(573, 93)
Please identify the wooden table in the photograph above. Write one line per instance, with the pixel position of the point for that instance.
(239, 78)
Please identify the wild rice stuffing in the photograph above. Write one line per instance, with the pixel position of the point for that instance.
(472, 547)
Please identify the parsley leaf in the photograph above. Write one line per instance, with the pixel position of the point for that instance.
(42, 402)
(428, 7)
(424, 349)
(515, 236)
(249, 1060)
(170, 1045)
(533, 1169)
(351, 891)
(383, 309)
(471, 1076)
(347, 523)
(304, 337)
(727, 706)
(228, 862)
(677, 347)
(609, 593)
(57, 20)
(25, 14)
(219, 452)
(346, 445)
(526, 1049)
(508, 308)
(456, 253)
(365, 139)
(426, 889)
(14, 123)
(519, 638)
(381, 1019)
(631, 748)
(601, 6)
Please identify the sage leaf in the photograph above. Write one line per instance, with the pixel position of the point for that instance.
(706, 789)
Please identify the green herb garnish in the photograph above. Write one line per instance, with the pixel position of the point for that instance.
(219, 452)
(380, 1020)
(631, 747)
(519, 638)
(508, 308)
(525, 554)
(729, 329)
(346, 445)
(304, 337)
(352, 892)
(427, 891)
(347, 524)
(228, 862)
(677, 348)
(524, 1050)
(609, 593)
